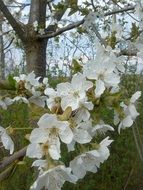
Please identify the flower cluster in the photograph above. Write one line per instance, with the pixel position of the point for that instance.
(73, 119)
(74, 115)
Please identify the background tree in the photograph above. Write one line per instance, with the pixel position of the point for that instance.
(42, 24)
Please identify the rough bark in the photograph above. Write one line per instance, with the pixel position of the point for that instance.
(13, 22)
(36, 57)
(35, 49)
(2, 55)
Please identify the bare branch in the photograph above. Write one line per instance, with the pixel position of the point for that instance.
(102, 41)
(128, 52)
(8, 44)
(7, 172)
(52, 34)
(77, 47)
(16, 156)
(119, 11)
(61, 30)
(15, 25)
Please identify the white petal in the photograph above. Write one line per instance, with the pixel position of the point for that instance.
(71, 146)
(94, 153)
(50, 103)
(2, 129)
(22, 99)
(112, 79)
(133, 112)
(100, 87)
(88, 105)
(45, 81)
(3, 105)
(40, 164)
(39, 135)
(54, 149)
(81, 136)
(34, 151)
(47, 121)
(127, 122)
(7, 142)
(64, 88)
(135, 96)
(116, 118)
(77, 168)
(50, 91)
(106, 142)
(66, 135)
(69, 101)
(79, 82)
(101, 128)
(82, 115)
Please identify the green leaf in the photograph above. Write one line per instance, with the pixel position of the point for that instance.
(11, 81)
(76, 67)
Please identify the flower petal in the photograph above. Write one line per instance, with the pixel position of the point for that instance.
(100, 87)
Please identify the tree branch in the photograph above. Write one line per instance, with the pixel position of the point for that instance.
(15, 25)
(119, 11)
(7, 172)
(61, 30)
(16, 156)
(128, 52)
(9, 44)
(78, 23)
(57, 16)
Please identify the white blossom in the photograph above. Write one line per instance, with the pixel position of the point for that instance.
(101, 128)
(130, 112)
(5, 102)
(72, 93)
(90, 160)
(6, 140)
(54, 178)
(51, 101)
(80, 135)
(102, 69)
(37, 98)
(41, 164)
(47, 137)
(30, 80)
(35, 25)
(20, 99)
(41, 31)
(82, 113)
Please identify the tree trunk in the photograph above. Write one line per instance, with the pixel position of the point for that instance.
(2, 55)
(36, 57)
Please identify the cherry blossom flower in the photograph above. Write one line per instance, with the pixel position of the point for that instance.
(102, 69)
(5, 102)
(37, 98)
(30, 80)
(72, 93)
(129, 111)
(52, 98)
(6, 140)
(54, 178)
(90, 161)
(46, 139)
(82, 113)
